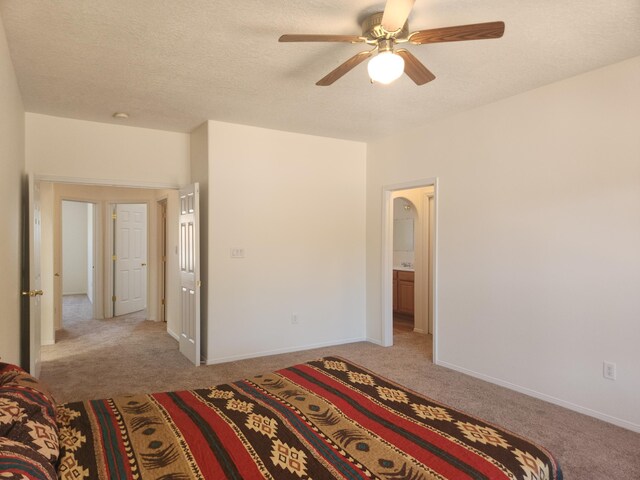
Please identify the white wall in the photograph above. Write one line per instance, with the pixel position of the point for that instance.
(74, 248)
(66, 148)
(538, 215)
(12, 167)
(295, 204)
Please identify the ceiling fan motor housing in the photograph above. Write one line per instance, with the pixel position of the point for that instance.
(373, 30)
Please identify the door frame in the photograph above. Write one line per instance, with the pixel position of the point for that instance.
(99, 221)
(387, 259)
(163, 204)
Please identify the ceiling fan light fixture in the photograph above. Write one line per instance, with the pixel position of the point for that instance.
(385, 67)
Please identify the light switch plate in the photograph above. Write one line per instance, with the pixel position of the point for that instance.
(609, 370)
(237, 253)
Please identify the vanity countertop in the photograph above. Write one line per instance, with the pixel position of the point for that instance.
(405, 269)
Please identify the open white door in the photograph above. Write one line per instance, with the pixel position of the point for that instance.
(32, 292)
(189, 259)
(130, 264)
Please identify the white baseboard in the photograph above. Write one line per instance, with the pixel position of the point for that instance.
(375, 341)
(174, 335)
(547, 398)
(231, 358)
(419, 330)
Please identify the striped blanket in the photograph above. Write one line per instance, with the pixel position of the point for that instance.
(323, 419)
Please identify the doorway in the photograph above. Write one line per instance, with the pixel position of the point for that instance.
(405, 220)
(409, 263)
(78, 261)
(104, 198)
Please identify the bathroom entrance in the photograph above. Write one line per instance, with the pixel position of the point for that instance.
(405, 216)
(412, 261)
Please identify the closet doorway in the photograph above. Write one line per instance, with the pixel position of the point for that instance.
(78, 261)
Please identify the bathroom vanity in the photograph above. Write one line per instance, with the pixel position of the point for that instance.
(403, 286)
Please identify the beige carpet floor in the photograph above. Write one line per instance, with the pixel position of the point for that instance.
(105, 358)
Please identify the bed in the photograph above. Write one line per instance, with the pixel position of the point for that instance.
(327, 418)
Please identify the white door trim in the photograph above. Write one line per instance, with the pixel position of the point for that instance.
(161, 256)
(106, 182)
(387, 259)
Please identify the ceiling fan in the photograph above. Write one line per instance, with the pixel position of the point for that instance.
(384, 30)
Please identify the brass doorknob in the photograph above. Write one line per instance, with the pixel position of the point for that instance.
(33, 293)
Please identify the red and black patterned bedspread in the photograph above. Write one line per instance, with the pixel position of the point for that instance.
(323, 419)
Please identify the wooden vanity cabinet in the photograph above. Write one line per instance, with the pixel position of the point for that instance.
(403, 292)
(395, 291)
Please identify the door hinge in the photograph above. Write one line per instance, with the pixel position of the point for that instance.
(198, 283)
(114, 215)
(114, 257)
(113, 299)
(162, 302)
(164, 258)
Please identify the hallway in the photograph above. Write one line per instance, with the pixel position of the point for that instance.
(75, 309)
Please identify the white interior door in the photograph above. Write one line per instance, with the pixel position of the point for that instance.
(90, 251)
(189, 258)
(34, 290)
(130, 264)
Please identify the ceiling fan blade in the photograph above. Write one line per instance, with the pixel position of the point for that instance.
(476, 31)
(396, 13)
(414, 68)
(321, 38)
(344, 68)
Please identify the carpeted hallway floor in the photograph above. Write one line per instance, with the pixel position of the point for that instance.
(128, 354)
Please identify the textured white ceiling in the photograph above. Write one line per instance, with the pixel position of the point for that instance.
(171, 64)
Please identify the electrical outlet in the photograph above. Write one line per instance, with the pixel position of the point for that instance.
(294, 319)
(609, 370)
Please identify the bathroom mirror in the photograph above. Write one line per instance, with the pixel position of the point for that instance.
(403, 235)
